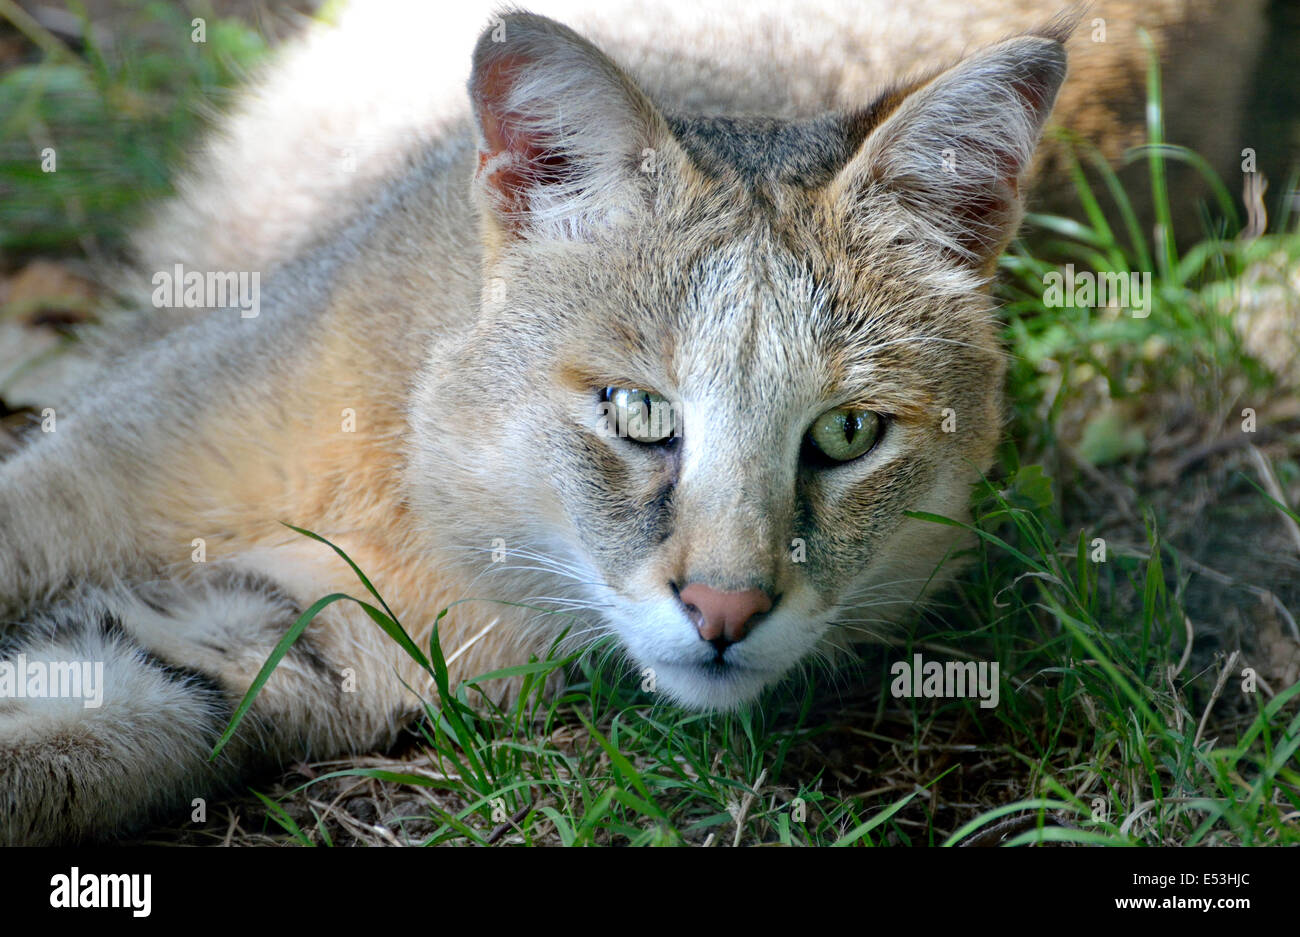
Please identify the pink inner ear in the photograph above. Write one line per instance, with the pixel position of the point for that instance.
(986, 211)
(1036, 95)
(514, 157)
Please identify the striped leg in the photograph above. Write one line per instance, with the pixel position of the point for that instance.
(161, 670)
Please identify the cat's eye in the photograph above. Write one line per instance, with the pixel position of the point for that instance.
(642, 416)
(845, 433)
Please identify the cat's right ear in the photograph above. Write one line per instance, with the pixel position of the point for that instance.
(566, 141)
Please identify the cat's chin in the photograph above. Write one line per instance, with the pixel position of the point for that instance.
(711, 687)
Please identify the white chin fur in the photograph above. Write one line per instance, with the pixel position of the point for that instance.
(658, 636)
(694, 687)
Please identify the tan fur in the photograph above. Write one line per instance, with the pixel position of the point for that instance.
(465, 304)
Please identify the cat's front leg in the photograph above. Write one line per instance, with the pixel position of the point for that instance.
(112, 700)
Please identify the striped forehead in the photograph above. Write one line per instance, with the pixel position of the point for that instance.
(749, 322)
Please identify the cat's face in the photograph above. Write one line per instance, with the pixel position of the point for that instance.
(717, 382)
(752, 478)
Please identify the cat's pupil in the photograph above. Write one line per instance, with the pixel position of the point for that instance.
(644, 416)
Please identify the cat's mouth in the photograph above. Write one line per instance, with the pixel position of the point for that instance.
(717, 682)
(672, 658)
(720, 667)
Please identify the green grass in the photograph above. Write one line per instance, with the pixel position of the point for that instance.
(1106, 732)
(1095, 728)
(118, 120)
(1104, 727)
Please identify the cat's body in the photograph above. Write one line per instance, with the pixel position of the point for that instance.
(442, 300)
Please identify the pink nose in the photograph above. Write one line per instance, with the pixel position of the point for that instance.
(723, 616)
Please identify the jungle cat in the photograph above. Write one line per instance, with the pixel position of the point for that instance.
(657, 360)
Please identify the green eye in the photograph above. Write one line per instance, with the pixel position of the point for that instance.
(845, 433)
(640, 415)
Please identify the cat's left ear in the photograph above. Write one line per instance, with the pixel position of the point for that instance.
(944, 167)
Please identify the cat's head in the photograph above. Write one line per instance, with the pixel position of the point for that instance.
(717, 360)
